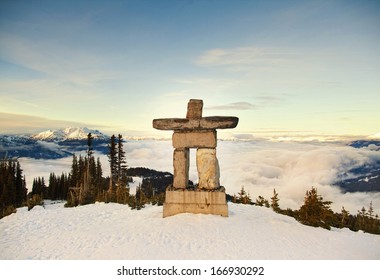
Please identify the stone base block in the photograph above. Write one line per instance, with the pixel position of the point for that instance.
(196, 202)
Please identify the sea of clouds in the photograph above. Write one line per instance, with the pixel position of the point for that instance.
(260, 166)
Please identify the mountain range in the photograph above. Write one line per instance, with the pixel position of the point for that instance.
(52, 144)
(366, 177)
(69, 133)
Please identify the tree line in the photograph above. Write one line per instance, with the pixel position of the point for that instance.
(84, 184)
(13, 189)
(317, 212)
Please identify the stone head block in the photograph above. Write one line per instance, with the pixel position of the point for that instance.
(194, 109)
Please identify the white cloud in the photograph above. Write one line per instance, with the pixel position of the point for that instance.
(292, 169)
(241, 58)
(375, 136)
(56, 61)
(17, 123)
(260, 166)
(233, 106)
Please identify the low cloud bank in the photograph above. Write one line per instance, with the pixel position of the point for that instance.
(260, 166)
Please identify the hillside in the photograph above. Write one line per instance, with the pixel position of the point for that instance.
(114, 231)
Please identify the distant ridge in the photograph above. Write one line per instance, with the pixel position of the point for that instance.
(69, 133)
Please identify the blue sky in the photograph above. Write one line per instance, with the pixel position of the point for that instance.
(292, 67)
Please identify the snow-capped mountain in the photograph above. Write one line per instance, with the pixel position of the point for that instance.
(52, 144)
(69, 133)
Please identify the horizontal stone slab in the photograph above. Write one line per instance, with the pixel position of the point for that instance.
(218, 122)
(195, 196)
(205, 123)
(171, 209)
(194, 139)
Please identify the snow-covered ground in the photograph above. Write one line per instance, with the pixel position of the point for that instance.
(115, 232)
(133, 185)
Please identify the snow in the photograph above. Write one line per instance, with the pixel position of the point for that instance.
(133, 185)
(69, 133)
(115, 232)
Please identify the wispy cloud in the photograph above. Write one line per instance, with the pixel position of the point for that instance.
(56, 61)
(17, 123)
(233, 106)
(241, 58)
(261, 101)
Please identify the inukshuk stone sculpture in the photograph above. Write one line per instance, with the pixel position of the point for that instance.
(195, 132)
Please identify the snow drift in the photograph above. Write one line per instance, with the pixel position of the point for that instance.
(115, 232)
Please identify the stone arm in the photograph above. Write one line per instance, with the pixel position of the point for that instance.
(206, 123)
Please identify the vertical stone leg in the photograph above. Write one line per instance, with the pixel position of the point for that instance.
(208, 168)
(181, 161)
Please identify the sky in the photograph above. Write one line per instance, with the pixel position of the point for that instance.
(287, 67)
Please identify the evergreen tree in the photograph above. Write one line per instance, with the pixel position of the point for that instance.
(261, 201)
(121, 162)
(63, 186)
(90, 149)
(370, 210)
(12, 187)
(40, 188)
(266, 203)
(243, 197)
(112, 159)
(367, 221)
(21, 190)
(315, 212)
(53, 186)
(345, 215)
(140, 198)
(274, 202)
(75, 172)
(372, 222)
(87, 191)
(99, 170)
